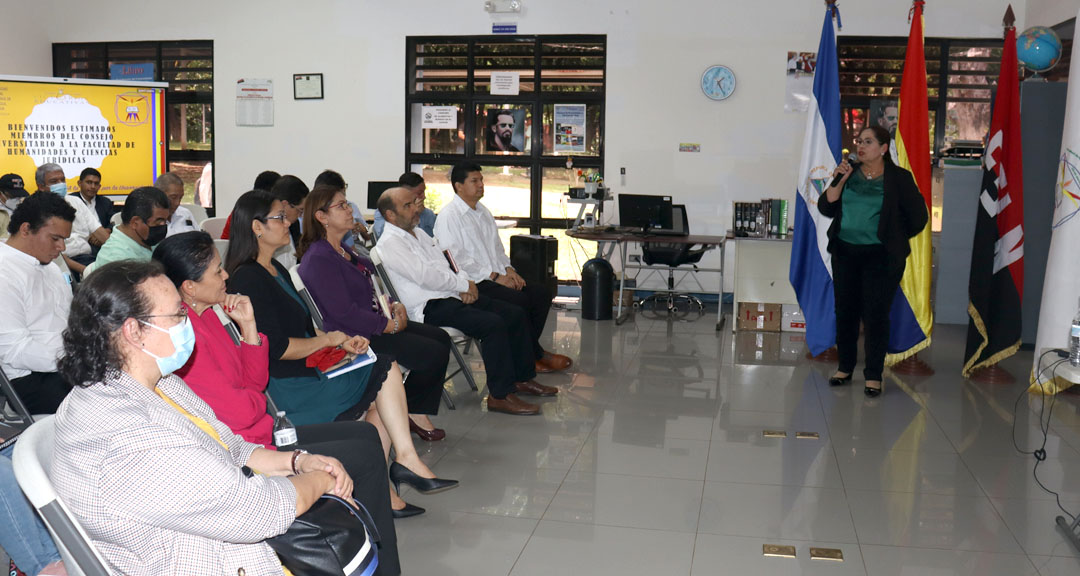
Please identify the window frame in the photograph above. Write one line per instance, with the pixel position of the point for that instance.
(535, 100)
(97, 67)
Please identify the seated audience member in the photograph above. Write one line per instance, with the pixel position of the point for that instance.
(291, 191)
(24, 537)
(155, 479)
(414, 182)
(12, 193)
(264, 181)
(36, 300)
(468, 230)
(435, 293)
(145, 222)
(304, 391)
(340, 281)
(360, 231)
(180, 219)
(231, 377)
(92, 226)
(50, 177)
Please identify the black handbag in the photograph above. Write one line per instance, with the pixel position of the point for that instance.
(333, 538)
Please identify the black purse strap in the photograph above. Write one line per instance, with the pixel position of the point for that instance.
(362, 514)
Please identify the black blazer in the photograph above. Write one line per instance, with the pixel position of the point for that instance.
(903, 214)
(278, 315)
(104, 208)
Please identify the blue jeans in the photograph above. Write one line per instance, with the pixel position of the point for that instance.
(22, 534)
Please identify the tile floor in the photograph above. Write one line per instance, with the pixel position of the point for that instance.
(652, 461)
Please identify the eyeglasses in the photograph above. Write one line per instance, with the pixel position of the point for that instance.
(278, 216)
(180, 316)
(343, 205)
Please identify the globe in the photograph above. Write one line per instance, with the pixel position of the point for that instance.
(1038, 48)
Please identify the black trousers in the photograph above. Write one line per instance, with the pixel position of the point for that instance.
(503, 332)
(864, 285)
(42, 392)
(425, 351)
(357, 446)
(535, 300)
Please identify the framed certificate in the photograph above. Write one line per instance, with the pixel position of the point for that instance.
(307, 87)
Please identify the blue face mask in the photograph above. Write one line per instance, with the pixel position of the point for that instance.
(183, 341)
(59, 188)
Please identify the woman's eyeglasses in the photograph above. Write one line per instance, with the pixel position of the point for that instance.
(343, 205)
(278, 216)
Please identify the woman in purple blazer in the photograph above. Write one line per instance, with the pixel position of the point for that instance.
(341, 283)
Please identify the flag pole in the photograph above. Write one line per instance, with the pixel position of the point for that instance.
(994, 374)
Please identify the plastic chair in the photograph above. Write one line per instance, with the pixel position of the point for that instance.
(31, 461)
(222, 248)
(116, 219)
(213, 226)
(297, 281)
(458, 337)
(198, 212)
(13, 399)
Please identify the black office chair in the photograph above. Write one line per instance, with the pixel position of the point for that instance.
(672, 255)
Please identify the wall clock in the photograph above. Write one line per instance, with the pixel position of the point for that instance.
(718, 82)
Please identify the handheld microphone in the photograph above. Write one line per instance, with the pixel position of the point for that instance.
(851, 157)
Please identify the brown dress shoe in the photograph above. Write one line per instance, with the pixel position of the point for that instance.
(512, 405)
(556, 361)
(534, 388)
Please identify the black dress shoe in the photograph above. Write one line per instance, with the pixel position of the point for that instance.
(838, 381)
(873, 392)
(408, 510)
(400, 474)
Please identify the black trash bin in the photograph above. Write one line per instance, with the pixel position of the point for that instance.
(597, 284)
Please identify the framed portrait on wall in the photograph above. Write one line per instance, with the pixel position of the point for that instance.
(504, 131)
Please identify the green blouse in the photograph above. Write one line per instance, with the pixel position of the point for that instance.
(861, 199)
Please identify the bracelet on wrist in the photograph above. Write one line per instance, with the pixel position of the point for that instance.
(295, 455)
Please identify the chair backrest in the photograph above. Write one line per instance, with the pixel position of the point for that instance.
(116, 219)
(222, 248)
(31, 461)
(213, 226)
(679, 222)
(380, 272)
(197, 211)
(13, 399)
(297, 281)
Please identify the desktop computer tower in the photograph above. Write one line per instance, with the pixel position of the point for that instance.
(534, 259)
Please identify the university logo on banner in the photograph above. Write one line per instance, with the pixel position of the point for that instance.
(132, 109)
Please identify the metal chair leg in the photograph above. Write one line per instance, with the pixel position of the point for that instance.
(447, 399)
(464, 367)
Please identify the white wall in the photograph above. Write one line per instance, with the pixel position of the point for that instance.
(657, 51)
(1050, 12)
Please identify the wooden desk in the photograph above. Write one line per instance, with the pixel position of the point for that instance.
(621, 239)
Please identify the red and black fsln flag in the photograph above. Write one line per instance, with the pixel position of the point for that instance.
(996, 286)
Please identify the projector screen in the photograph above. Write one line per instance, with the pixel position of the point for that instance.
(116, 127)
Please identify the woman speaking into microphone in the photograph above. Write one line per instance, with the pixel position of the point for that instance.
(876, 207)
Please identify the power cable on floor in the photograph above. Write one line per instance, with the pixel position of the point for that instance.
(1044, 421)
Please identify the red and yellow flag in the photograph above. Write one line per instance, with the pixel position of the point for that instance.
(911, 319)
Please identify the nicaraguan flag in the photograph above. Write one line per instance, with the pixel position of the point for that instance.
(811, 265)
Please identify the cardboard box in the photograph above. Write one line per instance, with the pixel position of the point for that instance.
(792, 319)
(759, 316)
(757, 348)
(628, 293)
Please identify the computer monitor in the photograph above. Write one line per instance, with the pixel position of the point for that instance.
(644, 211)
(375, 189)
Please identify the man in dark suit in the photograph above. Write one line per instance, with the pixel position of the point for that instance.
(89, 184)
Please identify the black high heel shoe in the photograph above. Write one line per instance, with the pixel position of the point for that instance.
(838, 381)
(408, 510)
(400, 474)
(873, 392)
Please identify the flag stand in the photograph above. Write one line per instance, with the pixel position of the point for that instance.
(993, 374)
(912, 367)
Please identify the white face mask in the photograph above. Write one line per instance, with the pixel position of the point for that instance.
(12, 203)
